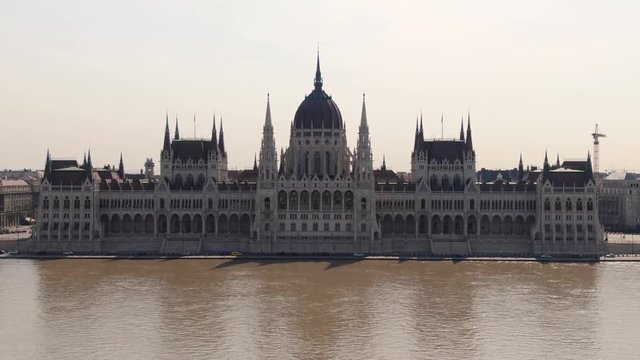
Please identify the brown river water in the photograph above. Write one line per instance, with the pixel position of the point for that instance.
(224, 309)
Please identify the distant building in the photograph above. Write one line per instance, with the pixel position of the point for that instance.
(319, 196)
(16, 203)
(619, 201)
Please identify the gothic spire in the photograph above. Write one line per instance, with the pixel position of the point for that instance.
(89, 164)
(255, 162)
(167, 135)
(416, 136)
(558, 160)
(546, 167)
(520, 168)
(177, 132)
(421, 128)
(267, 118)
(121, 167)
(214, 135)
(363, 117)
(469, 139)
(47, 165)
(221, 139)
(589, 167)
(317, 82)
(384, 163)
(462, 129)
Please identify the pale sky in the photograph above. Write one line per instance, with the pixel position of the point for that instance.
(535, 75)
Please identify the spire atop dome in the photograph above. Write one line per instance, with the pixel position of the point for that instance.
(317, 82)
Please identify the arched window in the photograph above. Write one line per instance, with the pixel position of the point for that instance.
(579, 205)
(547, 205)
(348, 201)
(589, 205)
(317, 164)
(558, 205)
(423, 203)
(363, 204)
(45, 203)
(569, 207)
(66, 203)
(327, 160)
(282, 200)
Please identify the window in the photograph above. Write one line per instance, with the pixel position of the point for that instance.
(315, 226)
(304, 226)
(293, 227)
(326, 226)
(348, 226)
(281, 226)
(558, 205)
(337, 227)
(363, 227)
(267, 227)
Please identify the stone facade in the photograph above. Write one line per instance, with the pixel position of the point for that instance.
(619, 202)
(319, 197)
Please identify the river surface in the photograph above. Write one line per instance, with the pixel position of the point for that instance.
(225, 309)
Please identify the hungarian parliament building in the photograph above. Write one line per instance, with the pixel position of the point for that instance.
(317, 196)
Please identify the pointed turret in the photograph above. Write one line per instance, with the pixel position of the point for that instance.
(546, 167)
(268, 150)
(221, 140)
(384, 163)
(363, 115)
(364, 157)
(520, 168)
(462, 129)
(421, 128)
(84, 160)
(177, 132)
(416, 137)
(47, 166)
(317, 82)
(167, 135)
(121, 167)
(558, 160)
(214, 135)
(267, 117)
(255, 162)
(469, 139)
(589, 166)
(89, 163)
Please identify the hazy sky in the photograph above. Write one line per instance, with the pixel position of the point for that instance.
(535, 75)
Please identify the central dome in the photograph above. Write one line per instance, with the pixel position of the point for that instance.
(317, 110)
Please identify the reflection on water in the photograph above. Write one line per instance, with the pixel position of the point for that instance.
(223, 309)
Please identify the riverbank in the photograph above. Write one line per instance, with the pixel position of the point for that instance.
(301, 258)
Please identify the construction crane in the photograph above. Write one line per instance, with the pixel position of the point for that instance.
(596, 149)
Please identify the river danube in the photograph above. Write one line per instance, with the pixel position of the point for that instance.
(224, 309)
